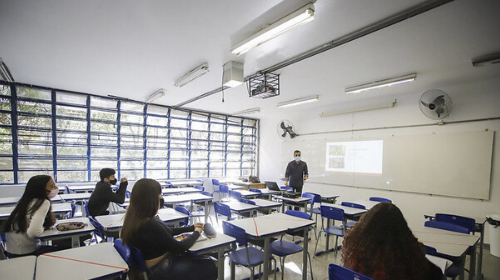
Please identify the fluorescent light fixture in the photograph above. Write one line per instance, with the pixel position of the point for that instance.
(487, 60)
(392, 104)
(248, 111)
(191, 75)
(382, 83)
(154, 96)
(5, 72)
(298, 101)
(232, 75)
(295, 19)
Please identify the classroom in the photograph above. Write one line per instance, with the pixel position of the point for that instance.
(391, 99)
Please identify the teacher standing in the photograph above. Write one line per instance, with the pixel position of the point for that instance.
(296, 173)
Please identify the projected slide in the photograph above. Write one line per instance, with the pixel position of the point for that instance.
(355, 156)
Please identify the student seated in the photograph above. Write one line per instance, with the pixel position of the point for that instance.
(382, 246)
(31, 216)
(165, 257)
(103, 194)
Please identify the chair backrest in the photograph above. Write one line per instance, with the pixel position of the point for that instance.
(99, 229)
(183, 211)
(86, 208)
(201, 188)
(224, 188)
(285, 188)
(138, 260)
(332, 213)
(123, 250)
(235, 194)
(235, 232)
(222, 209)
(200, 182)
(353, 205)
(313, 197)
(127, 194)
(215, 182)
(447, 226)
(73, 208)
(206, 193)
(68, 191)
(256, 191)
(247, 201)
(168, 184)
(298, 214)
(380, 199)
(337, 272)
(457, 220)
(430, 250)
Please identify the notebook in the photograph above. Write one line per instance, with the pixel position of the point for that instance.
(182, 236)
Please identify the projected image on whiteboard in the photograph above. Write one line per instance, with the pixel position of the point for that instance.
(355, 156)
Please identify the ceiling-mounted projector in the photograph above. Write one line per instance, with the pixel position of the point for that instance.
(263, 91)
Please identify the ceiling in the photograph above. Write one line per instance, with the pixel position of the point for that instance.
(133, 48)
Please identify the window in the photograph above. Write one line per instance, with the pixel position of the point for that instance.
(72, 136)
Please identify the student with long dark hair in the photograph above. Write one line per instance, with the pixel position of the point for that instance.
(164, 256)
(382, 246)
(31, 216)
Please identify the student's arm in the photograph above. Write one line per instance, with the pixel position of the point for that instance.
(119, 196)
(36, 225)
(306, 172)
(180, 230)
(164, 239)
(287, 174)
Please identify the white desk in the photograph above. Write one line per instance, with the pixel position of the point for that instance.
(192, 197)
(185, 183)
(300, 201)
(442, 263)
(248, 194)
(219, 242)
(4, 201)
(89, 262)
(264, 227)
(115, 222)
(72, 196)
(52, 234)
(171, 191)
(368, 204)
(22, 268)
(58, 208)
(269, 193)
(240, 207)
(450, 243)
(234, 187)
(266, 205)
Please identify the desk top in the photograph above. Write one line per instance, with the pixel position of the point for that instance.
(9, 200)
(264, 203)
(268, 191)
(56, 208)
(245, 193)
(53, 232)
(240, 206)
(296, 200)
(350, 211)
(186, 183)
(271, 224)
(81, 263)
(111, 222)
(446, 242)
(366, 203)
(186, 197)
(18, 268)
(211, 243)
(72, 196)
(170, 191)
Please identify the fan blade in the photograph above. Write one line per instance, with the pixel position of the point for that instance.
(439, 100)
(425, 104)
(284, 134)
(292, 135)
(283, 125)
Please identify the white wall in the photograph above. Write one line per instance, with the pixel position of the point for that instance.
(470, 101)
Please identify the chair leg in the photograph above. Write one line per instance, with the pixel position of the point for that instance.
(316, 247)
(282, 262)
(336, 242)
(251, 273)
(310, 265)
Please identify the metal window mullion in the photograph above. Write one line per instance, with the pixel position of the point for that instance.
(168, 143)
(189, 143)
(54, 134)
(89, 158)
(14, 134)
(145, 137)
(224, 171)
(241, 149)
(118, 138)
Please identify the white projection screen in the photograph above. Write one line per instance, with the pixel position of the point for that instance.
(449, 164)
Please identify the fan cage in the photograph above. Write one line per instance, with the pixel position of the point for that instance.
(264, 85)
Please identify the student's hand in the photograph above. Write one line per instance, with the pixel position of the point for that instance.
(123, 180)
(286, 183)
(305, 178)
(198, 227)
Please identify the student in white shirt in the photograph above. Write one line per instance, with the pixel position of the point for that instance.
(32, 215)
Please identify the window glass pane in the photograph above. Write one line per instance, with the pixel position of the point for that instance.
(103, 102)
(34, 136)
(71, 176)
(157, 132)
(34, 108)
(71, 151)
(103, 127)
(68, 111)
(157, 164)
(100, 152)
(176, 133)
(38, 122)
(217, 118)
(94, 176)
(35, 164)
(132, 106)
(216, 173)
(199, 145)
(71, 125)
(100, 164)
(132, 164)
(199, 173)
(178, 144)
(233, 173)
(6, 163)
(35, 150)
(157, 153)
(233, 156)
(24, 176)
(157, 174)
(5, 141)
(216, 165)
(199, 126)
(217, 127)
(233, 165)
(199, 117)
(233, 129)
(72, 98)
(178, 155)
(178, 174)
(103, 140)
(176, 164)
(199, 135)
(131, 118)
(6, 177)
(234, 138)
(132, 174)
(158, 121)
(4, 90)
(132, 142)
(5, 104)
(157, 110)
(199, 154)
(132, 130)
(199, 164)
(216, 156)
(249, 122)
(178, 123)
(234, 147)
(103, 115)
(34, 93)
(71, 138)
(136, 154)
(157, 143)
(71, 165)
(217, 137)
(179, 114)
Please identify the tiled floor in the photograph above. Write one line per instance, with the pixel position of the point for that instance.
(293, 264)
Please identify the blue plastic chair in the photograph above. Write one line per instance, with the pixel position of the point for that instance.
(99, 230)
(201, 188)
(68, 191)
(380, 199)
(353, 205)
(185, 222)
(223, 210)
(137, 260)
(124, 251)
(314, 198)
(247, 201)
(216, 184)
(286, 189)
(335, 214)
(451, 271)
(86, 208)
(337, 272)
(457, 220)
(249, 257)
(447, 226)
(234, 194)
(282, 249)
(224, 192)
(3, 252)
(256, 191)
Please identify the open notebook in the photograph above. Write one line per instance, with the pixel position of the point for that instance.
(186, 234)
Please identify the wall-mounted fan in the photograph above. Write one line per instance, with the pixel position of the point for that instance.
(285, 127)
(435, 104)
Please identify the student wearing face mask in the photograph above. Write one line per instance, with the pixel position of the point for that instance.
(296, 173)
(103, 194)
(31, 216)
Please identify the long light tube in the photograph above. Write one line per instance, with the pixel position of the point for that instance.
(191, 75)
(382, 83)
(248, 111)
(156, 95)
(329, 114)
(295, 19)
(298, 101)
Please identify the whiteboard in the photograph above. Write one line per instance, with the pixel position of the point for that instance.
(448, 164)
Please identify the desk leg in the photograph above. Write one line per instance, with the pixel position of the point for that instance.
(472, 269)
(304, 254)
(206, 211)
(267, 253)
(480, 258)
(220, 260)
(75, 241)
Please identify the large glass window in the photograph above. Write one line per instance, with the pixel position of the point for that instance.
(71, 136)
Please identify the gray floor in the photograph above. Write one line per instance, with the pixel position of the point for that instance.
(293, 263)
